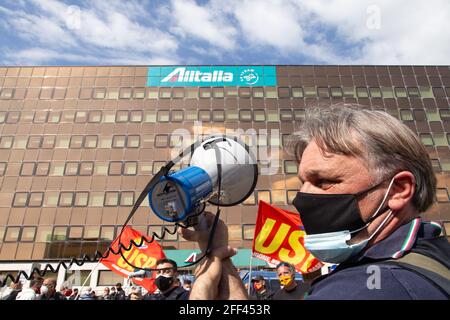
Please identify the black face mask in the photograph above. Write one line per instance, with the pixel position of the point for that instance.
(324, 213)
(163, 283)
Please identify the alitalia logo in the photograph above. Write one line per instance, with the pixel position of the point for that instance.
(182, 75)
(205, 76)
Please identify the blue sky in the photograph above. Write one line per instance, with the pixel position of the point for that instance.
(51, 32)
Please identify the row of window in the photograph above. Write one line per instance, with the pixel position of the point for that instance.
(101, 233)
(113, 168)
(87, 93)
(126, 198)
(230, 115)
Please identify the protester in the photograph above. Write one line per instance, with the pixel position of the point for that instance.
(106, 294)
(187, 284)
(136, 294)
(167, 281)
(48, 291)
(112, 294)
(290, 289)
(12, 291)
(74, 295)
(32, 292)
(261, 292)
(365, 180)
(120, 293)
(87, 294)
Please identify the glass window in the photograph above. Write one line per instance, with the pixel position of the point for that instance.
(127, 198)
(205, 92)
(271, 93)
(218, 92)
(112, 93)
(34, 142)
(299, 114)
(178, 93)
(152, 93)
(65, 199)
(336, 92)
(150, 116)
(163, 116)
(161, 141)
(274, 140)
(191, 115)
(278, 196)
(81, 199)
(361, 92)
(413, 92)
(57, 169)
(20, 199)
(90, 142)
(28, 234)
(349, 92)
(157, 166)
(291, 194)
(273, 115)
(165, 93)
(101, 168)
(133, 141)
(122, 116)
(262, 140)
(248, 232)
(286, 114)
(51, 199)
(426, 92)
(118, 142)
(323, 92)
(136, 116)
(48, 142)
(27, 168)
(125, 93)
(297, 92)
(86, 168)
(250, 201)
(204, 115)
(400, 92)
(259, 115)
(99, 93)
(6, 142)
(245, 115)
(76, 142)
(76, 277)
(130, 168)
(2, 116)
(245, 92)
(177, 115)
(13, 117)
(191, 93)
(54, 117)
(139, 93)
(232, 115)
(40, 117)
(432, 115)
(115, 168)
(12, 234)
(44, 234)
(440, 140)
(59, 93)
(108, 278)
(107, 233)
(234, 232)
(68, 116)
(258, 92)
(81, 116)
(284, 92)
(445, 114)
(435, 163)
(310, 91)
(6, 93)
(218, 115)
(406, 115)
(111, 198)
(2, 168)
(59, 233)
(263, 195)
(20, 142)
(109, 116)
(375, 92)
(231, 92)
(36, 199)
(426, 139)
(442, 195)
(85, 93)
(290, 167)
(42, 168)
(105, 142)
(62, 142)
(76, 233)
(96, 199)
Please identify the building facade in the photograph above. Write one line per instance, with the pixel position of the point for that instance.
(78, 144)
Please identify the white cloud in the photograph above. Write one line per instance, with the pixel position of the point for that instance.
(208, 23)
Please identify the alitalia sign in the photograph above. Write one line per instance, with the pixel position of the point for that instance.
(211, 76)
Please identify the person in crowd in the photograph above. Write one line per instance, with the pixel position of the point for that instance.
(167, 281)
(290, 289)
(187, 284)
(87, 294)
(106, 294)
(12, 291)
(120, 293)
(74, 295)
(48, 290)
(33, 291)
(261, 292)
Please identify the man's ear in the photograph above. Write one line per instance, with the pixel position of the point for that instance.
(402, 190)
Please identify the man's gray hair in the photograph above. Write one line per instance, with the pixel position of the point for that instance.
(386, 144)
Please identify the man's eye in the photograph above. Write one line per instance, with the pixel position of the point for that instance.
(324, 183)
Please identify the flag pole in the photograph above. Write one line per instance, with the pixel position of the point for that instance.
(87, 278)
(250, 273)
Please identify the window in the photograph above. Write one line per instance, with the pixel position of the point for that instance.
(90, 142)
(20, 199)
(68, 116)
(85, 93)
(51, 199)
(271, 93)
(109, 117)
(130, 168)
(336, 92)
(413, 92)
(297, 92)
(62, 142)
(107, 233)
(71, 169)
(20, 142)
(105, 142)
(440, 140)
(375, 92)
(177, 115)
(81, 116)
(274, 140)
(234, 232)
(81, 199)
(291, 194)
(96, 199)
(231, 115)
(436, 165)
(76, 233)
(95, 116)
(42, 168)
(272, 115)
(204, 115)
(278, 196)
(59, 233)
(218, 115)
(400, 92)
(152, 93)
(133, 141)
(76, 142)
(231, 92)
(27, 168)
(157, 166)
(290, 167)
(112, 93)
(262, 140)
(248, 232)
(13, 117)
(43, 234)
(111, 199)
(163, 116)
(406, 115)
(57, 169)
(40, 117)
(442, 195)
(139, 93)
(150, 116)
(191, 93)
(444, 114)
(125, 93)
(244, 92)
(2, 168)
(245, 115)
(118, 142)
(6, 142)
(426, 139)
(161, 141)
(259, 115)
(323, 92)
(121, 116)
(286, 114)
(136, 116)
(2, 116)
(48, 142)
(310, 92)
(263, 195)
(127, 198)
(250, 201)
(299, 114)
(108, 278)
(54, 117)
(36, 199)
(205, 92)
(34, 142)
(12, 234)
(191, 115)
(349, 92)
(6, 93)
(65, 199)
(361, 92)
(178, 93)
(426, 92)
(59, 93)
(99, 93)
(115, 168)
(432, 115)
(217, 92)
(164, 93)
(28, 234)
(258, 92)
(86, 168)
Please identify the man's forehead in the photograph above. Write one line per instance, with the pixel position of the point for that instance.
(164, 265)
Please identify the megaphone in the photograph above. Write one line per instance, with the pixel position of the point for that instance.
(222, 171)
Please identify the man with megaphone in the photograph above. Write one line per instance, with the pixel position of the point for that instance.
(365, 180)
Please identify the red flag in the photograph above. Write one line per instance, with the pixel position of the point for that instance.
(142, 257)
(279, 237)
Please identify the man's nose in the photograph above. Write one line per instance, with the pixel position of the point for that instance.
(306, 187)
